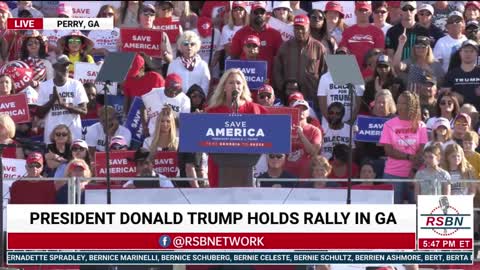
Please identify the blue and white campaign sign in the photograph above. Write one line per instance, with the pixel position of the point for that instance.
(134, 120)
(235, 133)
(116, 102)
(369, 128)
(255, 71)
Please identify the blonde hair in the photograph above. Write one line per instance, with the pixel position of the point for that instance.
(230, 21)
(430, 58)
(471, 136)
(391, 107)
(192, 37)
(7, 122)
(184, 5)
(87, 173)
(414, 113)
(465, 168)
(69, 137)
(320, 161)
(218, 98)
(172, 134)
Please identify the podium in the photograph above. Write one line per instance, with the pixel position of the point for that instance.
(235, 142)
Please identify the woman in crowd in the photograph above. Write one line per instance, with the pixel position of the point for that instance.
(383, 78)
(319, 31)
(58, 151)
(404, 138)
(335, 19)
(283, 12)
(384, 107)
(421, 61)
(441, 133)
(339, 162)
(77, 47)
(188, 19)
(7, 133)
(6, 85)
(189, 65)
(197, 98)
(321, 169)
(129, 12)
(105, 41)
(34, 53)
(456, 164)
(447, 107)
(222, 102)
(367, 171)
(237, 18)
(79, 150)
(461, 125)
(472, 11)
(164, 138)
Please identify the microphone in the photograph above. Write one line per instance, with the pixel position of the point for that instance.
(444, 204)
(234, 94)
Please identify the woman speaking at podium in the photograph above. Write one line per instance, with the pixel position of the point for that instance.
(232, 95)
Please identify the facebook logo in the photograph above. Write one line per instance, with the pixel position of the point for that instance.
(164, 241)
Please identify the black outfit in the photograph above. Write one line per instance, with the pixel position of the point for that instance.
(391, 39)
(465, 84)
(147, 184)
(66, 155)
(369, 94)
(435, 33)
(283, 184)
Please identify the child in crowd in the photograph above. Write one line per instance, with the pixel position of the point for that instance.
(367, 171)
(460, 169)
(321, 168)
(470, 143)
(432, 180)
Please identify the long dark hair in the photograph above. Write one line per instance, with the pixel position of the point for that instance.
(456, 105)
(83, 53)
(123, 10)
(323, 33)
(42, 52)
(115, 17)
(196, 89)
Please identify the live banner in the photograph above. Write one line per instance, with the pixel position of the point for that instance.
(122, 164)
(16, 106)
(138, 40)
(87, 72)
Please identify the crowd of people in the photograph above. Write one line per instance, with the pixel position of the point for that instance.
(419, 61)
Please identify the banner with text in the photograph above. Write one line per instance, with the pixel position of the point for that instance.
(141, 40)
(293, 112)
(16, 106)
(286, 30)
(170, 26)
(84, 9)
(87, 72)
(369, 128)
(123, 165)
(134, 120)
(239, 133)
(255, 71)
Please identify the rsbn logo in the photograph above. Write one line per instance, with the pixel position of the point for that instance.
(445, 219)
(164, 241)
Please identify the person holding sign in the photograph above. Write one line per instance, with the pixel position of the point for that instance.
(34, 54)
(76, 46)
(301, 58)
(231, 95)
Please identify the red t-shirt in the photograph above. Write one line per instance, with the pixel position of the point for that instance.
(213, 9)
(247, 108)
(298, 161)
(137, 87)
(91, 113)
(29, 192)
(359, 40)
(10, 152)
(355, 173)
(270, 42)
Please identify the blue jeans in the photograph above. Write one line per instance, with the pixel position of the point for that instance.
(401, 190)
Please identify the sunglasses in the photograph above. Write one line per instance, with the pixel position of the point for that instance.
(317, 18)
(148, 13)
(118, 147)
(383, 66)
(272, 156)
(35, 165)
(408, 9)
(74, 41)
(61, 134)
(262, 96)
(426, 14)
(108, 14)
(380, 12)
(443, 102)
(186, 43)
(461, 123)
(77, 149)
(334, 113)
(259, 12)
(458, 21)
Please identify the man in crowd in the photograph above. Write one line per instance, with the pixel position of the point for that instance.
(449, 44)
(62, 100)
(425, 15)
(301, 58)
(266, 95)
(336, 131)
(270, 39)
(276, 169)
(428, 94)
(144, 168)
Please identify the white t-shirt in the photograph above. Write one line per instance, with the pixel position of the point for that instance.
(335, 92)
(72, 93)
(156, 99)
(445, 48)
(227, 35)
(332, 137)
(107, 39)
(95, 136)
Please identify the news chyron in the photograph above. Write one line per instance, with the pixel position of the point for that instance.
(60, 23)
